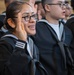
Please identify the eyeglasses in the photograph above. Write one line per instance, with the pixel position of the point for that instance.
(60, 4)
(28, 18)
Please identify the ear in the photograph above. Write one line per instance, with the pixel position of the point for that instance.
(11, 23)
(47, 7)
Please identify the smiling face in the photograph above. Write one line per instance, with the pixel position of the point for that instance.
(28, 19)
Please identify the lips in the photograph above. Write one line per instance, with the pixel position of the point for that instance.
(32, 27)
(63, 11)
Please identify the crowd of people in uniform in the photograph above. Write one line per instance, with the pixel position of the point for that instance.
(37, 37)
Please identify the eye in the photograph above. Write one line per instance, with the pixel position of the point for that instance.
(34, 16)
(26, 17)
(61, 4)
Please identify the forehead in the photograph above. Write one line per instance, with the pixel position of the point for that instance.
(27, 9)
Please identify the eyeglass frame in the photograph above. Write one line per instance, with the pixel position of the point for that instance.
(28, 18)
(60, 4)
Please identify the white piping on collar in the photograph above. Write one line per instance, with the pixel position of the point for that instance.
(3, 13)
(42, 20)
(3, 29)
(71, 17)
(10, 35)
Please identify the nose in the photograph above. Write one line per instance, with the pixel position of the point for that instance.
(32, 20)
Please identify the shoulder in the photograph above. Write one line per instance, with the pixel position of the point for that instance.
(7, 41)
(1, 33)
(70, 24)
(70, 21)
(2, 16)
(41, 24)
(42, 21)
(5, 47)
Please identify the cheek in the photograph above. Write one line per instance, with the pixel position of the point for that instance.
(26, 26)
(24, 22)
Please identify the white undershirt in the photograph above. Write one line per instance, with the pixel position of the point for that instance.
(56, 29)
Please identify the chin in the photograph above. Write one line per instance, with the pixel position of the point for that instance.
(63, 17)
(32, 33)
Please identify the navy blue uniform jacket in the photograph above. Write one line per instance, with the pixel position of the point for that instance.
(50, 54)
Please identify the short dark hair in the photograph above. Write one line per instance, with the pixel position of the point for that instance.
(11, 11)
(72, 4)
(8, 1)
(46, 2)
(37, 2)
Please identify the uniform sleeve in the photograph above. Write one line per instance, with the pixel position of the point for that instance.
(14, 62)
(5, 53)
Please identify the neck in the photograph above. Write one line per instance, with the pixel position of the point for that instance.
(51, 20)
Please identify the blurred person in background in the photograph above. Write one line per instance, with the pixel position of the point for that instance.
(3, 29)
(40, 10)
(70, 25)
(68, 10)
(32, 2)
(2, 16)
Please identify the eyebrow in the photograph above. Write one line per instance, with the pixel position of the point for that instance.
(28, 13)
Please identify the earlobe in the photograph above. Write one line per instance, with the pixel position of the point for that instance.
(11, 23)
(47, 7)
